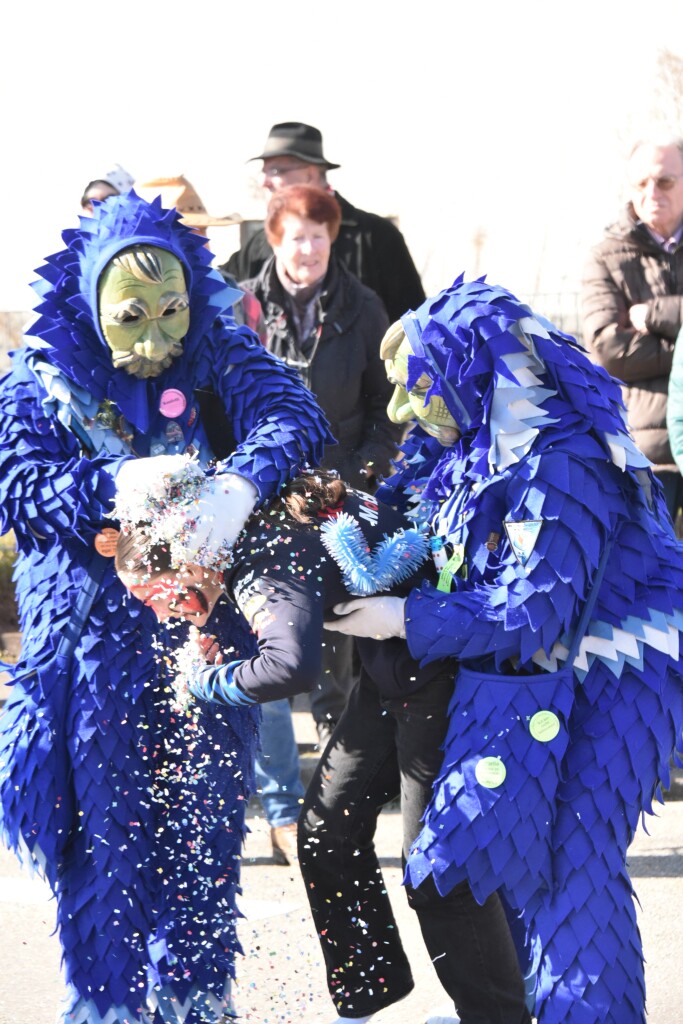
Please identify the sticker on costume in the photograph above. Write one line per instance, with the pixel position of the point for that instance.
(172, 403)
(523, 536)
(544, 726)
(490, 772)
(174, 433)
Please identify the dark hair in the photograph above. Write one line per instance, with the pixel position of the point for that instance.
(306, 201)
(85, 198)
(307, 495)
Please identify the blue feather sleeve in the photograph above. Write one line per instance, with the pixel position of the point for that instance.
(278, 425)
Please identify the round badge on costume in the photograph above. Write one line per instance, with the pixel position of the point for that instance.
(490, 772)
(173, 432)
(105, 542)
(172, 403)
(544, 726)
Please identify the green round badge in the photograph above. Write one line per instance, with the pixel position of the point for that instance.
(544, 726)
(490, 772)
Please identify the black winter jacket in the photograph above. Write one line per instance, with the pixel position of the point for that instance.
(343, 369)
(626, 268)
(371, 247)
(286, 585)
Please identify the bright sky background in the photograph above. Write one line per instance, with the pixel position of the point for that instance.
(509, 119)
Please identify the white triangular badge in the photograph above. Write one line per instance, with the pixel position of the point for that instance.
(523, 536)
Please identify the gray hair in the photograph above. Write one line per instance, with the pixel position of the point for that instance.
(663, 143)
(140, 261)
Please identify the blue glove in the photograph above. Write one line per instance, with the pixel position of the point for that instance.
(215, 683)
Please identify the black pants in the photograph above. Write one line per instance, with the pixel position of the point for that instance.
(339, 675)
(380, 749)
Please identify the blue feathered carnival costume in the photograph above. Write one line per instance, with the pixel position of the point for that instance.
(552, 753)
(132, 810)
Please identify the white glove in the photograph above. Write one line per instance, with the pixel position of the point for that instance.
(198, 516)
(137, 478)
(376, 617)
(220, 516)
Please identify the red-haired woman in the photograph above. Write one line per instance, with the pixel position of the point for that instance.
(321, 320)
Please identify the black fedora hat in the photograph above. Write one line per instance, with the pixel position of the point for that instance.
(292, 138)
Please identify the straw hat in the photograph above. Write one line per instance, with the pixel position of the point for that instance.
(178, 193)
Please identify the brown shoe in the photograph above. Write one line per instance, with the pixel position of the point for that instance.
(283, 838)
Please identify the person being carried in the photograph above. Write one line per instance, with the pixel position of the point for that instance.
(561, 596)
(327, 326)
(316, 545)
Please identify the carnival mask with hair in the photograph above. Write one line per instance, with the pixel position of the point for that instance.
(417, 394)
(127, 306)
(144, 310)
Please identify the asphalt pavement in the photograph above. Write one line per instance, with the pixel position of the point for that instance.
(281, 978)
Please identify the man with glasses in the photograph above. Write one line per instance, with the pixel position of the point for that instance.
(633, 300)
(370, 246)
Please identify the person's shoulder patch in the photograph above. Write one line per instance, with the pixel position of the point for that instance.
(523, 535)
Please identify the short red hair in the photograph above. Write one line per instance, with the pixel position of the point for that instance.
(305, 201)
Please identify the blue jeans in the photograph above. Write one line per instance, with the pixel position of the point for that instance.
(279, 784)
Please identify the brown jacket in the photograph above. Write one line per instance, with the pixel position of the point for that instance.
(628, 267)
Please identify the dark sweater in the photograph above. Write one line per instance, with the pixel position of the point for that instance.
(286, 584)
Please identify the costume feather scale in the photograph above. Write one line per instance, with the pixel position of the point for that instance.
(134, 814)
(544, 815)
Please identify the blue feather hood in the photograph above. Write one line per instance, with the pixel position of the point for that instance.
(511, 381)
(67, 330)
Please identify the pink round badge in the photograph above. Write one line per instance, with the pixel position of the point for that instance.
(172, 402)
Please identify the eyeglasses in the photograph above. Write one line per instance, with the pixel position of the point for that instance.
(280, 172)
(665, 182)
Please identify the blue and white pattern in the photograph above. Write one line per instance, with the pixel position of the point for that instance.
(581, 754)
(367, 571)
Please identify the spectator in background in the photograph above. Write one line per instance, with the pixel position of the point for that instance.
(674, 405)
(371, 247)
(177, 193)
(112, 183)
(633, 300)
(325, 324)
